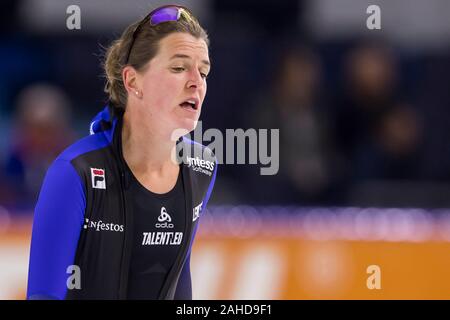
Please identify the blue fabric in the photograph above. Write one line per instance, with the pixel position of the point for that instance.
(95, 126)
(58, 219)
(84, 145)
(41, 297)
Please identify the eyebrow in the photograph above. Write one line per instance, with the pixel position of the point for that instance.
(185, 56)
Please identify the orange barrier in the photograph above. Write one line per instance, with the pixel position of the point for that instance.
(283, 267)
(290, 268)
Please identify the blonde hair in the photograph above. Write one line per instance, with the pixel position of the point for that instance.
(144, 48)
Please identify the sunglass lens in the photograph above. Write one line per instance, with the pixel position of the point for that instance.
(164, 15)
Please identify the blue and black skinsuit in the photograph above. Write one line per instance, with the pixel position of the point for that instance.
(69, 199)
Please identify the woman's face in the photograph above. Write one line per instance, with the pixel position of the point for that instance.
(174, 83)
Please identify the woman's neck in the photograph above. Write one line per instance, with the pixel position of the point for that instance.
(144, 150)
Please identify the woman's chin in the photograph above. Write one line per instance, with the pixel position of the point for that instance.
(184, 127)
(188, 124)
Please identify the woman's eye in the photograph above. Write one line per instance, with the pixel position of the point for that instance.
(204, 75)
(178, 69)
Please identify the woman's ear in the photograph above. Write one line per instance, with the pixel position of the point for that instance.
(131, 81)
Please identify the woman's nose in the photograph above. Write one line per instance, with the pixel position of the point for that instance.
(195, 80)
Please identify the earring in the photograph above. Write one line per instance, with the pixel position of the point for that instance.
(137, 93)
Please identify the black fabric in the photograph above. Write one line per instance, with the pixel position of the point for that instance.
(159, 224)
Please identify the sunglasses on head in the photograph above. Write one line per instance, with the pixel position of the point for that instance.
(157, 16)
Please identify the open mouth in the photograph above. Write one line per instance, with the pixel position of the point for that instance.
(190, 104)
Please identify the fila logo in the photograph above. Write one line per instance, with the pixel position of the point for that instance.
(196, 212)
(164, 219)
(98, 178)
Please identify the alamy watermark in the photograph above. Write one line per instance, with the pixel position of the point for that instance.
(73, 21)
(74, 279)
(374, 280)
(236, 146)
(373, 22)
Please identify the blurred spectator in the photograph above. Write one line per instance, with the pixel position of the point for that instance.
(370, 90)
(294, 105)
(41, 130)
(394, 152)
(369, 93)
